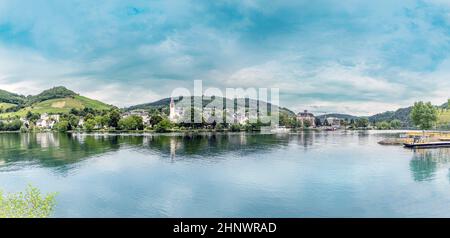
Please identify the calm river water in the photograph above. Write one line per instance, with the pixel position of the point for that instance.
(310, 174)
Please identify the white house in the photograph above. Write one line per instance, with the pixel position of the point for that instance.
(333, 122)
(47, 121)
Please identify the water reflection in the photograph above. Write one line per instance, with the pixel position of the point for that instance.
(425, 162)
(61, 150)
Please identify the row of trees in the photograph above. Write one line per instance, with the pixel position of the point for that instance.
(386, 125)
(14, 125)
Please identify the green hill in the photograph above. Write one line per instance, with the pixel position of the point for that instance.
(11, 98)
(164, 105)
(402, 114)
(55, 100)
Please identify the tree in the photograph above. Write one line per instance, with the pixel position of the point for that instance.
(163, 126)
(396, 124)
(384, 125)
(62, 126)
(89, 125)
(114, 118)
(424, 115)
(73, 121)
(31, 204)
(155, 119)
(362, 123)
(32, 116)
(131, 123)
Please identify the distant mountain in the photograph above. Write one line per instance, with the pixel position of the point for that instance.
(54, 100)
(402, 114)
(338, 115)
(164, 104)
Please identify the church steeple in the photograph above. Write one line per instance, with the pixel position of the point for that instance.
(172, 110)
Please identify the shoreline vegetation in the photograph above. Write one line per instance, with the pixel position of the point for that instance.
(29, 204)
(61, 110)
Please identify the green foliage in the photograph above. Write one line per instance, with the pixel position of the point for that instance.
(89, 125)
(163, 126)
(30, 204)
(131, 123)
(288, 120)
(155, 119)
(7, 97)
(57, 100)
(73, 121)
(114, 118)
(32, 116)
(424, 115)
(235, 127)
(56, 92)
(396, 124)
(362, 123)
(384, 125)
(402, 114)
(219, 127)
(62, 126)
(101, 120)
(14, 125)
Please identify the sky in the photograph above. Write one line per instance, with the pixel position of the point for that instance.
(336, 56)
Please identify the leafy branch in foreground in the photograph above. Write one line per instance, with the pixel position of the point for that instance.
(28, 204)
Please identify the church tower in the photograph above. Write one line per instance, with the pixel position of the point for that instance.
(172, 110)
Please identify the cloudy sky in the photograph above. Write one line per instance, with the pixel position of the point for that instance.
(358, 57)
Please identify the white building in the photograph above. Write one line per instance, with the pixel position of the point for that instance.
(333, 122)
(47, 121)
(175, 114)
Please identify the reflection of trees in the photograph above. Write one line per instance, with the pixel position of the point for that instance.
(52, 150)
(64, 150)
(426, 161)
(212, 144)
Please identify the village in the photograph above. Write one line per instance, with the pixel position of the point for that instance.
(147, 120)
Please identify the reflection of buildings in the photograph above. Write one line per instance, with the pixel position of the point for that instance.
(46, 140)
(173, 147)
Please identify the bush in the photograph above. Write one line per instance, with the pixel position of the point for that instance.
(30, 204)
(89, 125)
(131, 123)
(163, 126)
(62, 126)
(11, 126)
(235, 127)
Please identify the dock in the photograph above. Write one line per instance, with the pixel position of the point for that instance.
(436, 144)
